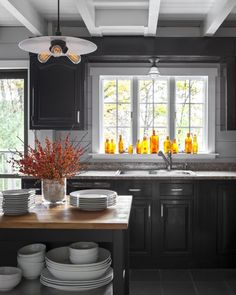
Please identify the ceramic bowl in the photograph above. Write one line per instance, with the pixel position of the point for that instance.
(83, 252)
(10, 277)
(32, 251)
(30, 270)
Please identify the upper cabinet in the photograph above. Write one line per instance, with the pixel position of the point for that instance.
(57, 94)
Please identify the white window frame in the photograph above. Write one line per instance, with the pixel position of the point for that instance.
(95, 71)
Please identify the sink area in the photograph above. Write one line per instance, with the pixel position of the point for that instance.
(157, 172)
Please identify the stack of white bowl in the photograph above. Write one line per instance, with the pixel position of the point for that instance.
(31, 260)
(83, 252)
(18, 202)
(10, 277)
(62, 274)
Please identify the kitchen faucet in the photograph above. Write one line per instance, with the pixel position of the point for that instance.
(167, 159)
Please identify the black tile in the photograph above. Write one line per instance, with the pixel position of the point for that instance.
(145, 288)
(174, 288)
(145, 275)
(212, 288)
(208, 275)
(175, 276)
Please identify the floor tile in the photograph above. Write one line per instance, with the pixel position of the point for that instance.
(145, 288)
(175, 288)
(232, 287)
(212, 288)
(175, 276)
(205, 275)
(230, 275)
(145, 275)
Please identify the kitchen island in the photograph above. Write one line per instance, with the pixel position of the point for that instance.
(64, 223)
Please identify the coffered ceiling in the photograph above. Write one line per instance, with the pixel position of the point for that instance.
(120, 17)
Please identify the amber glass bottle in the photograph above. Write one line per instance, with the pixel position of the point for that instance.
(121, 145)
(138, 147)
(195, 144)
(188, 144)
(112, 147)
(144, 148)
(130, 149)
(175, 148)
(107, 146)
(154, 143)
(167, 145)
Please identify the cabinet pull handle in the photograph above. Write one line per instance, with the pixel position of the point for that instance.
(78, 116)
(176, 189)
(149, 212)
(162, 211)
(134, 189)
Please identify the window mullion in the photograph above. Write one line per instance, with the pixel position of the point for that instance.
(135, 110)
(171, 108)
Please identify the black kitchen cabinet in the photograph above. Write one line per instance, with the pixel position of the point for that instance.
(226, 245)
(57, 94)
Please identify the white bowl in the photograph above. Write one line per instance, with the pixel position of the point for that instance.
(32, 250)
(34, 259)
(83, 252)
(30, 270)
(10, 277)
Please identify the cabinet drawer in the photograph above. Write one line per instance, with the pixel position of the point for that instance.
(176, 189)
(135, 188)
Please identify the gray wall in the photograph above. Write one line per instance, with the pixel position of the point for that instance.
(225, 140)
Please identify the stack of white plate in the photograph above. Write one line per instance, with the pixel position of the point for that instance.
(62, 274)
(18, 202)
(93, 199)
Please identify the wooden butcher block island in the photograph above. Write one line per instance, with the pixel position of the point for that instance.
(64, 223)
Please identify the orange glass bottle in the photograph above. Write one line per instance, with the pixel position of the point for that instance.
(107, 146)
(154, 143)
(130, 149)
(138, 147)
(188, 144)
(195, 144)
(144, 147)
(112, 147)
(167, 145)
(175, 148)
(121, 145)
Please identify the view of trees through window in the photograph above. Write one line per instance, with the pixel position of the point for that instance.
(12, 124)
(134, 106)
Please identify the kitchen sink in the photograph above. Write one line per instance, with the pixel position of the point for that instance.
(157, 172)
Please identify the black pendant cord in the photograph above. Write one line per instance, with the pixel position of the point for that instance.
(58, 32)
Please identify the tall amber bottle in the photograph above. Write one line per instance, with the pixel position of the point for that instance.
(138, 147)
(144, 148)
(121, 145)
(167, 145)
(195, 144)
(154, 143)
(175, 148)
(112, 147)
(188, 144)
(107, 146)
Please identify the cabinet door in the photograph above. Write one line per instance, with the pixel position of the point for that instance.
(227, 219)
(176, 226)
(56, 94)
(140, 227)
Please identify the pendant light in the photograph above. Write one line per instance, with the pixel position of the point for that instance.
(58, 45)
(154, 72)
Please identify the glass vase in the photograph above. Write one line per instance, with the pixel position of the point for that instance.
(53, 191)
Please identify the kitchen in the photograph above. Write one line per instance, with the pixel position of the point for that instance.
(165, 65)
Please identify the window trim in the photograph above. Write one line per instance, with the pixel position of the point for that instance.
(209, 70)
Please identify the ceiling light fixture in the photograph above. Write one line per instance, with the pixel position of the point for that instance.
(58, 45)
(154, 72)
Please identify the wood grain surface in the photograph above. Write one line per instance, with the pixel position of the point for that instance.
(67, 217)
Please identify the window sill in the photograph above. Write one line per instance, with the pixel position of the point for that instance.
(152, 157)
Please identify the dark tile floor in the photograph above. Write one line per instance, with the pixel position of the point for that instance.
(183, 282)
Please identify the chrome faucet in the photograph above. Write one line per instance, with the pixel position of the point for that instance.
(167, 159)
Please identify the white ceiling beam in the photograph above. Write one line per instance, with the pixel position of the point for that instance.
(26, 14)
(153, 15)
(122, 30)
(129, 4)
(86, 9)
(218, 13)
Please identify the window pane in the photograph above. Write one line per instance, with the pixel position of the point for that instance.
(109, 133)
(145, 91)
(109, 115)
(199, 133)
(146, 115)
(197, 91)
(124, 91)
(124, 115)
(11, 120)
(160, 115)
(160, 91)
(196, 115)
(182, 91)
(125, 132)
(162, 133)
(109, 90)
(180, 136)
(182, 115)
